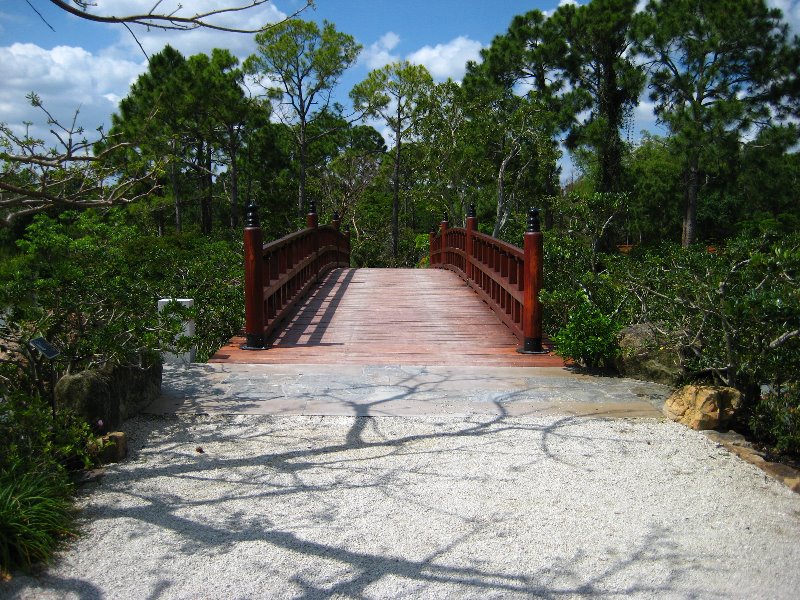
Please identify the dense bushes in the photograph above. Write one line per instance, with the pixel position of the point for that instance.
(89, 283)
(733, 311)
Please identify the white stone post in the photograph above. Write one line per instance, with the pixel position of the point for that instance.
(188, 330)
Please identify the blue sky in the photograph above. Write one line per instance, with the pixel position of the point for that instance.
(90, 66)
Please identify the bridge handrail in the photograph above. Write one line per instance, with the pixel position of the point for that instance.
(507, 278)
(279, 274)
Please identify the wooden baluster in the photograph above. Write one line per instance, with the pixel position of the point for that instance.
(253, 280)
(472, 225)
(531, 308)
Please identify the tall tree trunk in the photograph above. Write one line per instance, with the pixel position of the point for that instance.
(234, 187)
(209, 189)
(396, 200)
(690, 218)
(301, 194)
(205, 204)
(173, 177)
(502, 208)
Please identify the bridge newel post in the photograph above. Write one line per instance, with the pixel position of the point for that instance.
(312, 222)
(443, 242)
(533, 271)
(253, 280)
(472, 225)
(336, 220)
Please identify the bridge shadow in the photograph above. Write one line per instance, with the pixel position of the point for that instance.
(310, 321)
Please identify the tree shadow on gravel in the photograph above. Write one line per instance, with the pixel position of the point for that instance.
(167, 486)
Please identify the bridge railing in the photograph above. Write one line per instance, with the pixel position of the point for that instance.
(507, 278)
(279, 274)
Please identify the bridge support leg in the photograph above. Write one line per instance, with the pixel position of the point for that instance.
(253, 280)
(531, 307)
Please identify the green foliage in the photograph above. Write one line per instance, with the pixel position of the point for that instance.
(775, 420)
(590, 337)
(90, 286)
(306, 63)
(37, 452)
(32, 437)
(736, 312)
(36, 514)
(717, 69)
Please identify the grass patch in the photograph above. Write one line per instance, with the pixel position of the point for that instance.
(36, 514)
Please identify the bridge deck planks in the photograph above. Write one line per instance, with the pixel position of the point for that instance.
(391, 317)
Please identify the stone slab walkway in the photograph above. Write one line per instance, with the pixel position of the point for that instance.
(370, 390)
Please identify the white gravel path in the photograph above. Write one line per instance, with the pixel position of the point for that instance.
(426, 507)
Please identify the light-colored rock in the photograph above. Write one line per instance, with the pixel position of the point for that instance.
(703, 407)
(115, 447)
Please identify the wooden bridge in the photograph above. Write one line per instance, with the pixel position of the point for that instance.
(478, 305)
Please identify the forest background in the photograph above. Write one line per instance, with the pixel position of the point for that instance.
(692, 234)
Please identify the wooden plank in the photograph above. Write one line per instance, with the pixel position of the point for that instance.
(390, 316)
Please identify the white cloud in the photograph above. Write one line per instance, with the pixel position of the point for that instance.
(549, 13)
(379, 53)
(67, 79)
(791, 12)
(447, 60)
(200, 40)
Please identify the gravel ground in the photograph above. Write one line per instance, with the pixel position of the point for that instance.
(480, 507)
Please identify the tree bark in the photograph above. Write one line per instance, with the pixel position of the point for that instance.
(173, 176)
(396, 200)
(690, 218)
(234, 184)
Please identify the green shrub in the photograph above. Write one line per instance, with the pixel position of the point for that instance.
(775, 420)
(589, 336)
(31, 436)
(36, 513)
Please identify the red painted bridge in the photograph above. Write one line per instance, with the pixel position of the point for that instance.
(477, 305)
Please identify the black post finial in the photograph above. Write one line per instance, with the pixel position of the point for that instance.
(444, 217)
(251, 215)
(471, 211)
(347, 229)
(533, 221)
(336, 216)
(312, 206)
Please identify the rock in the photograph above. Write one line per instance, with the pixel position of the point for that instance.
(643, 355)
(115, 447)
(703, 407)
(111, 394)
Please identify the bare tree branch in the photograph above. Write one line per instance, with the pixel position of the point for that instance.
(172, 21)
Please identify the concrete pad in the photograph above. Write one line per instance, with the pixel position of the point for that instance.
(355, 390)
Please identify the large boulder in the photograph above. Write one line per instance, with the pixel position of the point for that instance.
(645, 355)
(110, 394)
(703, 407)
